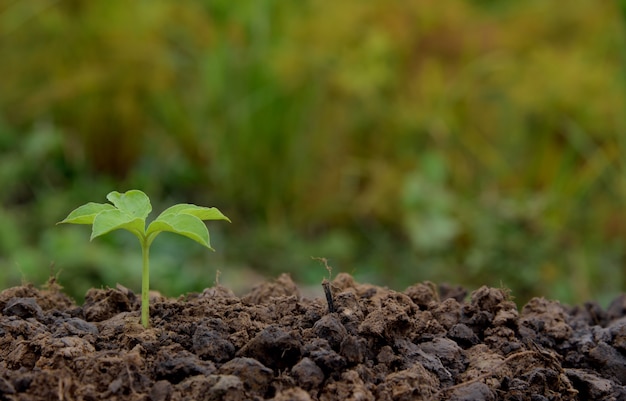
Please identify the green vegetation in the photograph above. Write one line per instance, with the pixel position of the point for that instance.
(129, 212)
(477, 142)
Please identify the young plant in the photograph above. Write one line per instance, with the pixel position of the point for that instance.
(129, 212)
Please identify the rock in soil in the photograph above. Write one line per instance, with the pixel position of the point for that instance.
(426, 343)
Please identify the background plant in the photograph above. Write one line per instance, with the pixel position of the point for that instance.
(473, 142)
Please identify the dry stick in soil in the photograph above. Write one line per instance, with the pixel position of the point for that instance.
(326, 285)
(329, 296)
(218, 273)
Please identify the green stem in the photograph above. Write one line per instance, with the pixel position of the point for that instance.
(145, 284)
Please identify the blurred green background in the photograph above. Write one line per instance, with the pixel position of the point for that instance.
(468, 142)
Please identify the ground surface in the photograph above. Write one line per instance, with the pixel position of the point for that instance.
(425, 343)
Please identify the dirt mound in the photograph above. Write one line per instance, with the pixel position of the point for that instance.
(425, 343)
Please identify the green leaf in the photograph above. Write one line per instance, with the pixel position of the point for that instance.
(133, 202)
(114, 219)
(201, 212)
(183, 224)
(86, 213)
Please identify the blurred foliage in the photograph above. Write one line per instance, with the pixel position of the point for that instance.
(475, 142)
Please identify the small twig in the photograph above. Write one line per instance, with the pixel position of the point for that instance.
(60, 390)
(130, 378)
(329, 296)
(326, 284)
(218, 273)
(53, 279)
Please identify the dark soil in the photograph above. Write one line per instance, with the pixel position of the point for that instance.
(425, 343)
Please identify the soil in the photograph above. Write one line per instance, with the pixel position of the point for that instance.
(426, 343)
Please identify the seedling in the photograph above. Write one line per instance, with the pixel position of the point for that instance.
(129, 212)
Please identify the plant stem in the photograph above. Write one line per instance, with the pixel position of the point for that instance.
(145, 284)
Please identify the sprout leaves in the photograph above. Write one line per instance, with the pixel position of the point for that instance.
(86, 213)
(130, 210)
(186, 219)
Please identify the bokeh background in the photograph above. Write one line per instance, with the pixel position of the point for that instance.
(469, 142)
